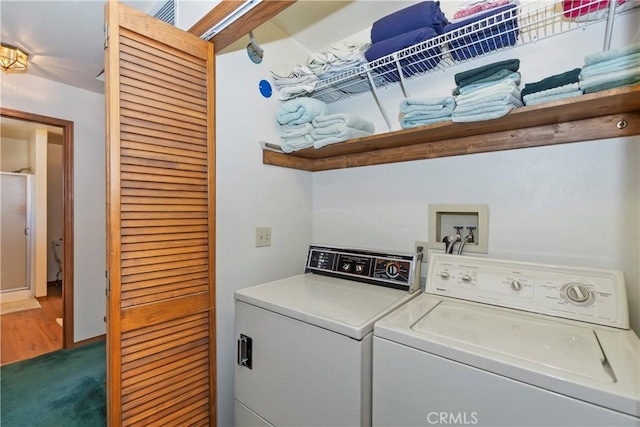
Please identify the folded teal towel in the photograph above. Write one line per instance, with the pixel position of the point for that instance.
(611, 54)
(612, 65)
(343, 119)
(340, 134)
(556, 80)
(505, 91)
(414, 123)
(426, 104)
(290, 145)
(550, 98)
(443, 112)
(606, 85)
(336, 131)
(513, 76)
(494, 112)
(472, 76)
(630, 73)
(552, 92)
(293, 131)
(497, 76)
(482, 106)
(300, 110)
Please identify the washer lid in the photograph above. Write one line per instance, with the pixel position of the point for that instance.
(567, 348)
(343, 306)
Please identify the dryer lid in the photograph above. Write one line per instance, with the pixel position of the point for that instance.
(343, 306)
(494, 332)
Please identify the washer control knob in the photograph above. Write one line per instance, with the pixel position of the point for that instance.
(515, 285)
(466, 278)
(445, 275)
(577, 293)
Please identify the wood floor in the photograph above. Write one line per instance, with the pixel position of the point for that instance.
(30, 333)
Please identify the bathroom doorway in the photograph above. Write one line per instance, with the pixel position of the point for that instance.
(62, 130)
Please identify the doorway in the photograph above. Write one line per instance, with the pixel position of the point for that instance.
(67, 247)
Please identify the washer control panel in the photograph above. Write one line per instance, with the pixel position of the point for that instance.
(588, 295)
(396, 270)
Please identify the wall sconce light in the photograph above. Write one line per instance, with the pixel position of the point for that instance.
(12, 59)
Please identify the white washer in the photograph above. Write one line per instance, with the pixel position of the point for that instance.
(305, 342)
(502, 343)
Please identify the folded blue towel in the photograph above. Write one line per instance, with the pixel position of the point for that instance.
(417, 122)
(336, 130)
(300, 110)
(484, 106)
(506, 91)
(473, 37)
(490, 112)
(344, 119)
(611, 54)
(609, 81)
(444, 112)
(612, 65)
(550, 98)
(293, 131)
(336, 133)
(416, 63)
(552, 92)
(425, 104)
(511, 76)
(290, 145)
(420, 15)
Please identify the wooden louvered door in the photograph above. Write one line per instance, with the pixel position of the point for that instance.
(160, 223)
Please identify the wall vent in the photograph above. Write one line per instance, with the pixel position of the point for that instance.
(167, 12)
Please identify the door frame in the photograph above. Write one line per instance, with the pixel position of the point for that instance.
(67, 226)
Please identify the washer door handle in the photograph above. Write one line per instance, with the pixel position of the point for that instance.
(245, 347)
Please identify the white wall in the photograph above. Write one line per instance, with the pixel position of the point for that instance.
(25, 92)
(575, 204)
(15, 154)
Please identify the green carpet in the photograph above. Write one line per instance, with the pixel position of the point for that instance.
(65, 388)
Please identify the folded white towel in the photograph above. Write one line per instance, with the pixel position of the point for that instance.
(293, 131)
(335, 133)
(343, 119)
(290, 145)
(300, 110)
(603, 13)
(286, 71)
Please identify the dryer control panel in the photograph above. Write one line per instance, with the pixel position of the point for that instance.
(588, 295)
(396, 270)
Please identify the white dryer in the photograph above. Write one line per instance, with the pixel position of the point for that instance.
(502, 343)
(305, 342)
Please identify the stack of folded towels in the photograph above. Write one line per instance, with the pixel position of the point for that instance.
(487, 92)
(482, 26)
(337, 58)
(553, 88)
(407, 27)
(295, 117)
(416, 112)
(333, 128)
(610, 69)
(293, 80)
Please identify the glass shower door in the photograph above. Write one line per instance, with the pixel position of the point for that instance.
(14, 229)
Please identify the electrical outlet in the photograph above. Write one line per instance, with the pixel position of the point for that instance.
(263, 236)
(445, 219)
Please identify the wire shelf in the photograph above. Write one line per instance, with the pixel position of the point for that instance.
(510, 27)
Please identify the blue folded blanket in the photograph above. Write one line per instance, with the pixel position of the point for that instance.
(499, 30)
(416, 63)
(420, 15)
(300, 110)
(343, 119)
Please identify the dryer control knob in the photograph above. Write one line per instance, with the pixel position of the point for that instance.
(466, 278)
(577, 293)
(515, 285)
(445, 275)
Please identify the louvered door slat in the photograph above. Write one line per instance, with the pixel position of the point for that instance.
(161, 317)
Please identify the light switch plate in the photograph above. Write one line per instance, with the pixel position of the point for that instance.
(263, 236)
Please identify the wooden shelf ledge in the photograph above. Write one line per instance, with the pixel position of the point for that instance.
(584, 118)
